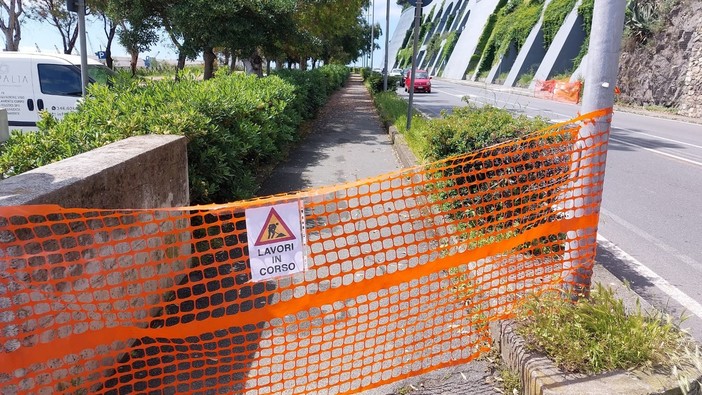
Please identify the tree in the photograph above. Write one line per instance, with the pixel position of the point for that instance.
(55, 13)
(330, 30)
(137, 36)
(11, 27)
(105, 11)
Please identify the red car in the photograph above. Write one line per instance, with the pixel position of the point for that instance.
(422, 81)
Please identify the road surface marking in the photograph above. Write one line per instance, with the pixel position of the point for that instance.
(685, 301)
(661, 138)
(656, 151)
(652, 239)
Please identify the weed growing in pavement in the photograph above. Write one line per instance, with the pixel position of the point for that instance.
(595, 334)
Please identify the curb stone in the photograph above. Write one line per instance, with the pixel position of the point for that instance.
(539, 375)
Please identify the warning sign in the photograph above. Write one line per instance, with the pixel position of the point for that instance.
(274, 230)
(276, 240)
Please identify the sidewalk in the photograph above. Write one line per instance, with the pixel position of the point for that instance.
(347, 142)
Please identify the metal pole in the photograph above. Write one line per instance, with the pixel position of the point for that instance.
(417, 21)
(387, 42)
(372, 33)
(603, 54)
(600, 81)
(83, 46)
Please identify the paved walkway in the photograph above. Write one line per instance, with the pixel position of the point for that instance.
(347, 142)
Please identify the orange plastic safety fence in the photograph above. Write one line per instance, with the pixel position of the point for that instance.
(560, 90)
(405, 271)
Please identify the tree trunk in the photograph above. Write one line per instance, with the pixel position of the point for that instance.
(13, 30)
(232, 66)
(180, 66)
(268, 67)
(209, 58)
(133, 61)
(108, 48)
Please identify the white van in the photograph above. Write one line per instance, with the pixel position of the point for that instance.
(32, 82)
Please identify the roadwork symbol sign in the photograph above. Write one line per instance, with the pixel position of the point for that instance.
(274, 230)
(276, 240)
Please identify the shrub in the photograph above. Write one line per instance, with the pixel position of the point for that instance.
(236, 125)
(470, 128)
(376, 82)
(595, 334)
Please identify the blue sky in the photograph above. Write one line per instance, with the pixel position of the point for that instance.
(47, 39)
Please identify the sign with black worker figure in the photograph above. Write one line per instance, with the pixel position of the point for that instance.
(276, 240)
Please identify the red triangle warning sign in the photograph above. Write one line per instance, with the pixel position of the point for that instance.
(274, 230)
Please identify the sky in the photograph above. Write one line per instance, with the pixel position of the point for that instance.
(45, 37)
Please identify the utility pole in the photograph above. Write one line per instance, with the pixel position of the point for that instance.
(600, 81)
(387, 42)
(410, 88)
(603, 54)
(78, 6)
(372, 33)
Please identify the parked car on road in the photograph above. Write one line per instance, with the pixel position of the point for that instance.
(422, 81)
(396, 73)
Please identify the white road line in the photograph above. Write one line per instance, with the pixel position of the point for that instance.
(659, 137)
(685, 301)
(651, 239)
(680, 158)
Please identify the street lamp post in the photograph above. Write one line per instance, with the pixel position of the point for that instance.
(410, 88)
(387, 42)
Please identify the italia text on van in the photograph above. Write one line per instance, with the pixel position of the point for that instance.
(32, 82)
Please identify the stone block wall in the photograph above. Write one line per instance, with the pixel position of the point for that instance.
(139, 172)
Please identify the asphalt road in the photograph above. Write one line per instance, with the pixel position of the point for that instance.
(650, 229)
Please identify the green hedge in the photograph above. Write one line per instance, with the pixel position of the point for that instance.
(471, 128)
(236, 125)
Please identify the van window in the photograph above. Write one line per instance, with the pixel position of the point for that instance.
(100, 74)
(57, 79)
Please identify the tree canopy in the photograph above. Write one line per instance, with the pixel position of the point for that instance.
(296, 31)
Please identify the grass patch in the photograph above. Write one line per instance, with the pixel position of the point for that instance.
(511, 383)
(595, 334)
(525, 79)
(393, 111)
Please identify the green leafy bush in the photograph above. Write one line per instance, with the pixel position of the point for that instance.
(236, 125)
(376, 82)
(470, 128)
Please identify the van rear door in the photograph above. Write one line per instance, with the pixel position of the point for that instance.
(17, 92)
(58, 86)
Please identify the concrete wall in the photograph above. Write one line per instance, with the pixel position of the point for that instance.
(565, 46)
(531, 54)
(395, 43)
(480, 11)
(138, 172)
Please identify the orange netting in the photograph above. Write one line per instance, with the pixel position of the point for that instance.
(560, 90)
(405, 271)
